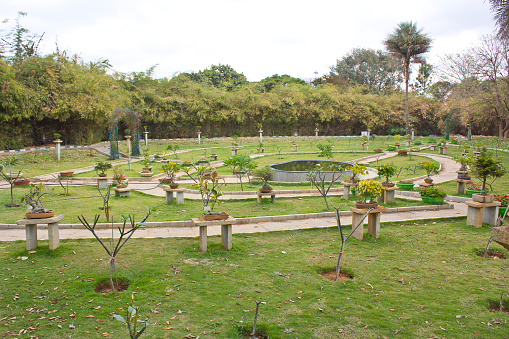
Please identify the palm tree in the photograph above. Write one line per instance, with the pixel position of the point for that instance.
(500, 9)
(407, 43)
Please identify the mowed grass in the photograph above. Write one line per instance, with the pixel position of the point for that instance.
(420, 279)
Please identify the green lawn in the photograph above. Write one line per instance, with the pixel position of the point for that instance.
(421, 279)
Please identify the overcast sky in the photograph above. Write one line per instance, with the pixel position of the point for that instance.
(258, 38)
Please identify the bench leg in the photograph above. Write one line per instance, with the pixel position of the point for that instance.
(490, 215)
(474, 216)
(203, 238)
(31, 236)
(374, 224)
(346, 192)
(226, 236)
(273, 198)
(357, 219)
(259, 198)
(180, 198)
(169, 197)
(53, 236)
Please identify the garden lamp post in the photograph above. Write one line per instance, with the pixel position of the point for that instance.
(261, 135)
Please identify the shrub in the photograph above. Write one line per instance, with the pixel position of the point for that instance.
(432, 192)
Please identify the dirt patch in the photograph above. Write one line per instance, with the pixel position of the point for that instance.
(105, 287)
(493, 254)
(331, 275)
(494, 306)
(258, 335)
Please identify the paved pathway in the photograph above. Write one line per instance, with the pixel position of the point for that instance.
(447, 173)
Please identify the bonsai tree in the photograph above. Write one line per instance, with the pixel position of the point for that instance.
(464, 160)
(266, 173)
(485, 166)
(397, 137)
(102, 166)
(210, 192)
(325, 150)
(171, 169)
(119, 177)
(240, 164)
(369, 189)
(173, 148)
(34, 198)
(9, 177)
(430, 167)
(356, 171)
(387, 171)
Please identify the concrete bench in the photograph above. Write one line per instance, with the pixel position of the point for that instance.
(179, 192)
(373, 221)
(266, 194)
(31, 231)
(479, 212)
(294, 146)
(226, 231)
(346, 189)
(461, 185)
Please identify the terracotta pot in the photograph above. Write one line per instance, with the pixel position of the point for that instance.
(215, 216)
(67, 173)
(428, 180)
(103, 175)
(22, 182)
(387, 184)
(39, 215)
(366, 205)
(174, 185)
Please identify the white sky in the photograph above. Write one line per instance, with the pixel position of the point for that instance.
(258, 38)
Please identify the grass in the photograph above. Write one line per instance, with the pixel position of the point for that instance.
(85, 200)
(421, 279)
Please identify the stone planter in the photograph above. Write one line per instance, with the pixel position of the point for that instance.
(39, 215)
(478, 197)
(366, 205)
(215, 216)
(146, 174)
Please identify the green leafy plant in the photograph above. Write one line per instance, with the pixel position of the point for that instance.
(34, 198)
(103, 167)
(369, 189)
(57, 136)
(430, 167)
(9, 177)
(387, 171)
(173, 148)
(485, 166)
(171, 169)
(210, 192)
(130, 317)
(432, 192)
(119, 177)
(266, 173)
(240, 164)
(325, 150)
(356, 171)
(397, 138)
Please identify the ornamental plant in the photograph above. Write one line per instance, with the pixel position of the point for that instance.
(356, 171)
(102, 166)
(430, 167)
(119, 177)
(485, 166)
(387, 171)
(369, 189)
(171, 169)
(502, 198)
(432, 192)
(397, 137)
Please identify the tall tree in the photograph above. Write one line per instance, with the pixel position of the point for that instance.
(377, 70)
(280, 80)
(407, 43)
(500, 9)
(220, 76)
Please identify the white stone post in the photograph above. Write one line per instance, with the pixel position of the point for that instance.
(261, 135)
(412, 134)
(146, 138)
(316, 134)
(58, 142)
(199, 137)
(128, 141)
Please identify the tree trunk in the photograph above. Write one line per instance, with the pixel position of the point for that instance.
(407, 76)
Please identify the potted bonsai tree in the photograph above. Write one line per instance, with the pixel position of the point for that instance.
(210, 193)
(431, 168)
(120, 178)
(485, 166)
(34, 200)
(387, 171)
(356, 171)
(102, 167)
(368, 189)
(463, 170)
(171, 169)
(266, 173)
(432, 195)
(397, 138)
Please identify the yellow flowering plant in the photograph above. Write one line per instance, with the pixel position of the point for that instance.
(369, 189)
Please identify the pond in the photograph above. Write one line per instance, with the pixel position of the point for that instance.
(297, 170)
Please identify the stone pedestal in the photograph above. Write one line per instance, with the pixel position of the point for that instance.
(199, 137)
(226, 231)
(482, 212)
(102, 182)
(122, 192)
(261, 135)
(213, 157)
(31, 231)
(263, 194)
(235, 151)
(179, 192)
(387, 194)
(373, 221)
(461, 185)
(146, 138)
(57, 143)
(433, 147)
(346, 189)
(442, 150)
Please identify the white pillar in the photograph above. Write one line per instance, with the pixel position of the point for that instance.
(316, 134)
(128, 141)
(412, 134)
(58, 142)
(199, 137)
(146, 138)
(261, 137)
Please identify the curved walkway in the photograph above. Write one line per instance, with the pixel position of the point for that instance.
(447, 173)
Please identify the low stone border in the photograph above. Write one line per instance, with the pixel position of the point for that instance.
(248, 220)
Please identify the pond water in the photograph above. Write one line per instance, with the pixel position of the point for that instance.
(297, 170)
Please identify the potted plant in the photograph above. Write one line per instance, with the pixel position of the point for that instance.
(260, 147)
(463, 170)
(66, 173)
(504, 201)
(171, 169)
(432, 195)
(120, 178)
(485, 166)
(431, 168)
(356, 171)
(377, 150)
(22, 181)
(390, 148)
(103, 167)
(454, 141)
(368, 189)
(387, 171)
(34, 201)
(402, 152)
(266, 173)
(210, 193)
(473, 188)
(397, 138)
